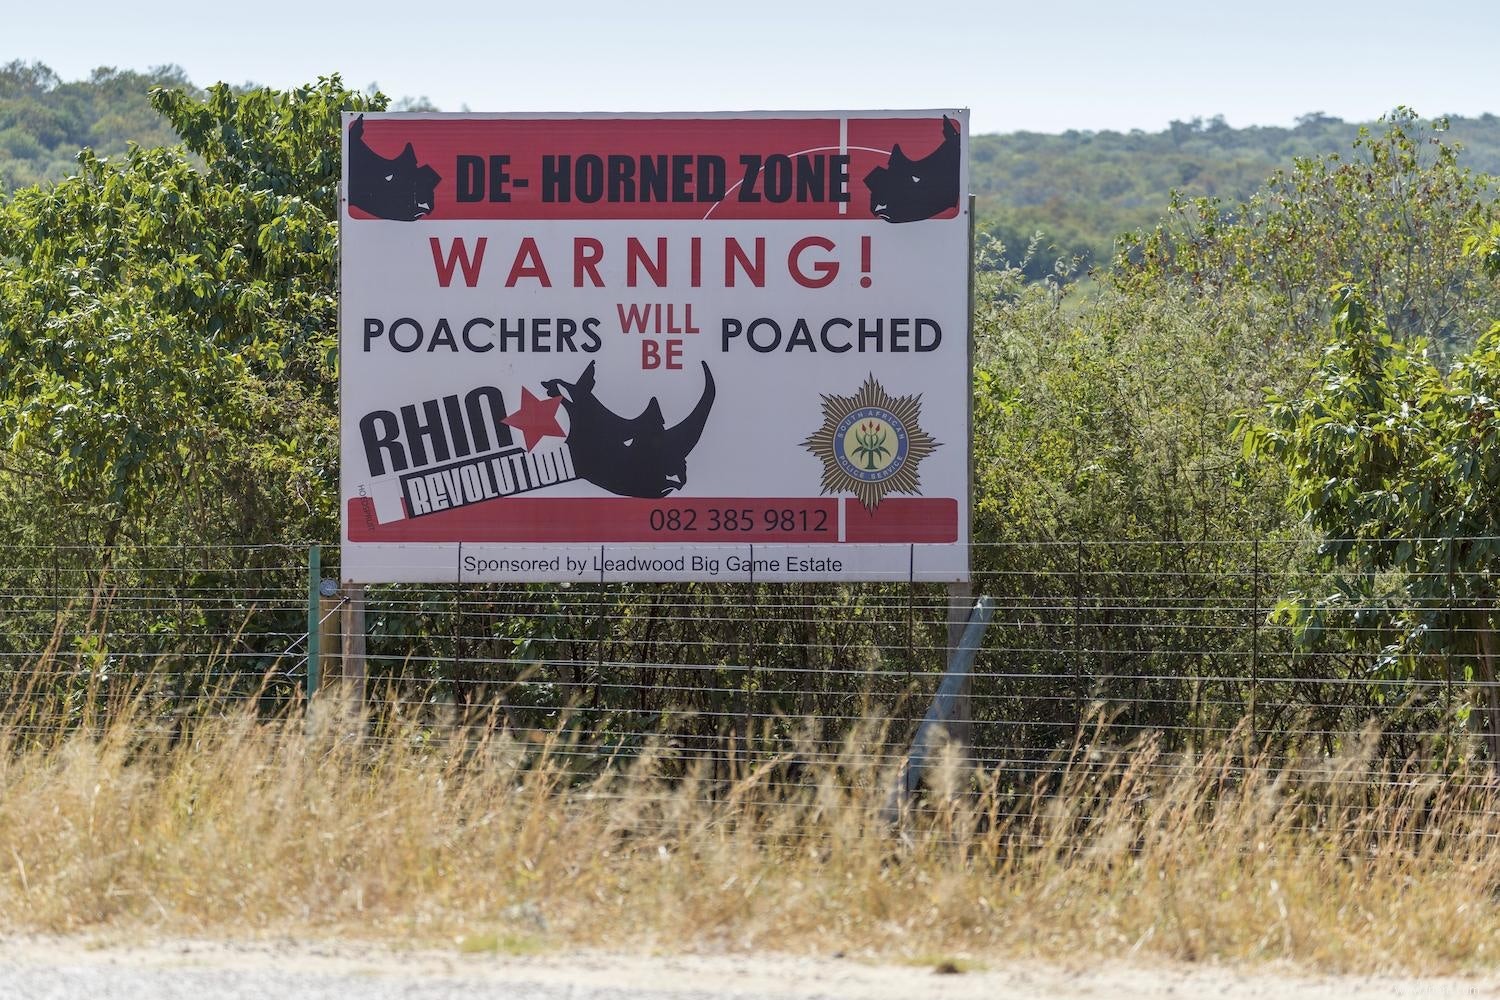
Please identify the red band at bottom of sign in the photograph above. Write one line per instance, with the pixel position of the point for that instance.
(930, 520)
(704, 520)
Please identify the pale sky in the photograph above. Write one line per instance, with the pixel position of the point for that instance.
(1037, 66)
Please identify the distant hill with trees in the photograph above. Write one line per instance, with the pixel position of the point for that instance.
(45, 121)
(1083, 189)
(1080, 190)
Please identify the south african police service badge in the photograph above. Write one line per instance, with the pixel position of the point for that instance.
(870, 444)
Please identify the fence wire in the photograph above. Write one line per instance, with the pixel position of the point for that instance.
(1192, 642)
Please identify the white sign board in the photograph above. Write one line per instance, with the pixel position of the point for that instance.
(721, 347)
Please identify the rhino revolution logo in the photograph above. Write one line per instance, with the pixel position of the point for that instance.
(871, 444)
(462, 449)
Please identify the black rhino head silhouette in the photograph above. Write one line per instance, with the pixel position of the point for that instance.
(911, 190)
(388, 189)
(632, 458)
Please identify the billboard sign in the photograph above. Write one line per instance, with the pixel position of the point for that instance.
(719, 347)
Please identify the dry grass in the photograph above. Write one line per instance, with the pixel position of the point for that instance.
(236, 826)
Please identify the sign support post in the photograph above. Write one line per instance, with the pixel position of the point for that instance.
(353, 629)
(314, 601)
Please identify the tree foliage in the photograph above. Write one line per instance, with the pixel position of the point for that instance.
(1390, 217)
(168, 318)
(45, 121)
(1083, 189)
(1393, 459)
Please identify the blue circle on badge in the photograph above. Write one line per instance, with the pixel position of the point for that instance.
(870, 444)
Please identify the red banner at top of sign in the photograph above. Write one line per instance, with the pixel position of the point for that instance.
(899, 169)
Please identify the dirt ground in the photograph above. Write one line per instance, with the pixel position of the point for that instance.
(32, 966)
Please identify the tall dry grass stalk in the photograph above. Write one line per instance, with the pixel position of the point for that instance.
(223, 824)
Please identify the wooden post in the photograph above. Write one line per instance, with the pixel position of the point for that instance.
(328, 638)
(314, 580)
(353, 629)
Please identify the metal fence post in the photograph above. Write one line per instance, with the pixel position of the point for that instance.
(752, 668)
(182, 586)
(1255, 638)
(1077, 626)
(599, 626)
(960, 613)
(1448, 647)
(911, 610)
(462, 690)
(56, 596)
(948, 703)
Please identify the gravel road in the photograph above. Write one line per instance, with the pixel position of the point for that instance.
(33, 968)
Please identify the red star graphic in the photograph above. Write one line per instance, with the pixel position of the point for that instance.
(536, 418)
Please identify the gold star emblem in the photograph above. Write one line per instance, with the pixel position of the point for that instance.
(871, 443)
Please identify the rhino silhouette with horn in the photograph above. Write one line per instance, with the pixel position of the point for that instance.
(393, 188)
(640, 457)
(907, 190)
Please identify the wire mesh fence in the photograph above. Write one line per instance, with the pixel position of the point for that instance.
(1191, 642)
